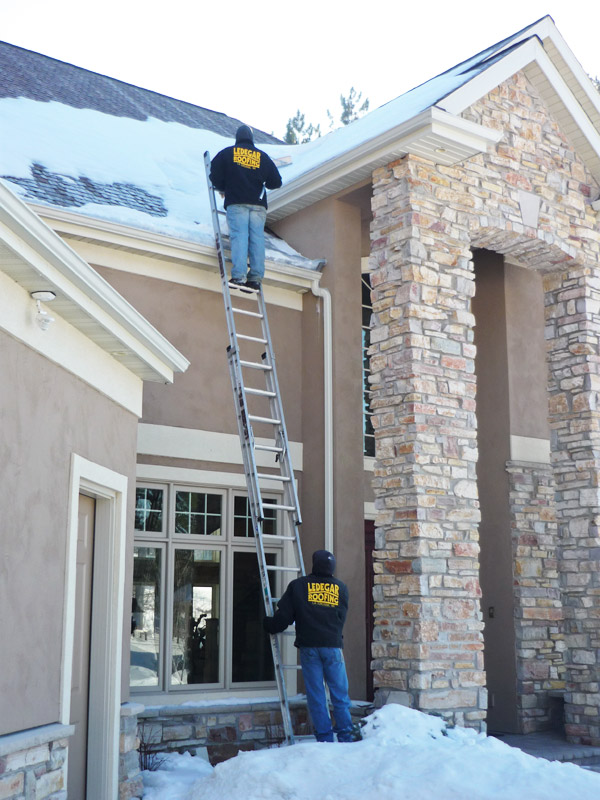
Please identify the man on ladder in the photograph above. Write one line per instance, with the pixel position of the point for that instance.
(243, 174)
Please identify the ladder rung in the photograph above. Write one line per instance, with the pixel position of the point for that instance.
(290, 666)
(251, 338)
(260, 392)
(271, 448)
(255, 365)
(279, 507)
(279, 537)
(247, 313)
(268, 420)
(273, 568)
(272, 477)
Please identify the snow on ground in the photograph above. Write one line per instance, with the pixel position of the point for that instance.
(405, 755)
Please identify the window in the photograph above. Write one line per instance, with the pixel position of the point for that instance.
(367, 310)
(197, 607)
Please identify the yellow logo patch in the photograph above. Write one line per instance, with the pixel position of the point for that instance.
(250, 159)
(324, 594)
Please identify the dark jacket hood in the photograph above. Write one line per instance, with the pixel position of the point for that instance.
(323, 563)
(244, 134)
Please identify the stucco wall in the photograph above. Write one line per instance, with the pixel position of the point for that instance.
(46, 415)
(194, 321)
(331, 229)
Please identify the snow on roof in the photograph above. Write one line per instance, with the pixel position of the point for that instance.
(93, 145)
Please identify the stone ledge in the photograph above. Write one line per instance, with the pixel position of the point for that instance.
(132, 709)
(23, 740)
(271, 704)
(540, 466)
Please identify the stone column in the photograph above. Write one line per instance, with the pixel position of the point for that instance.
(428, 644)
(573, 338)
(538, 602)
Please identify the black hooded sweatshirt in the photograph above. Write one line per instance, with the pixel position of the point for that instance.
(242, 172)
(317, 603)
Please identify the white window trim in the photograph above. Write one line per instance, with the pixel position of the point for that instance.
(109, 489)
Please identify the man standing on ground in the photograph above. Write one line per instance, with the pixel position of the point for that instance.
(243, 174)
(318, 604)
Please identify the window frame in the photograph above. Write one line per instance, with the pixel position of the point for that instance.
(227, 543)
(367, 414)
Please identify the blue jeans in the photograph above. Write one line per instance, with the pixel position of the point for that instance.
(247, 235)
(327, 663)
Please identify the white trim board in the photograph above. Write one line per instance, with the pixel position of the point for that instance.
(186, 274)
(109, 488)
(198, 445)
(156, 473)
(68, 347)
(527, 448)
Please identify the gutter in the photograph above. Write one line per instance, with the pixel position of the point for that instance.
(325, 295)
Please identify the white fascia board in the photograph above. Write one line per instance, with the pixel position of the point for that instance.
(555, 45)
(63, 268)
(125, 236)
(529, 52)
(456, 102)
(200, 256)
(393, 143)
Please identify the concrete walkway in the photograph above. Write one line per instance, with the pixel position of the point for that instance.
(553, 746)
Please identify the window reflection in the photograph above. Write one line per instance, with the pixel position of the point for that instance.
(196, 615)
(242, 520)
(145, 616)
(198, 513)
(149, 509)
(251, 658)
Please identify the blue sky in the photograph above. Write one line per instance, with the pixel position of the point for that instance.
(261, 61)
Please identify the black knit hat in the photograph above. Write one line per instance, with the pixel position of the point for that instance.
(244, 134)
(323, 563)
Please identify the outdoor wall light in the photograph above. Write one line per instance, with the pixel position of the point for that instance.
(43, 318)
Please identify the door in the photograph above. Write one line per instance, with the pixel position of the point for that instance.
(77, 774)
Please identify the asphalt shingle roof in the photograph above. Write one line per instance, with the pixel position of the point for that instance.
(24, 73)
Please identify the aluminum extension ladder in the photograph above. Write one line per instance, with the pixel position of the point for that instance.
(277, 443)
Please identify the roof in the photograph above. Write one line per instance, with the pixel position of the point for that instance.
(426, 120)
(106, 150)
(24, 73)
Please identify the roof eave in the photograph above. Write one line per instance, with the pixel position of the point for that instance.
(433, 134)
(83, 298)
(563, 94)
(168, 248)
(548, 63)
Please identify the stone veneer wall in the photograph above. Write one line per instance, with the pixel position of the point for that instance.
(222, 729)
(131, 786)
(33, 763)
(428, 643)
(538, 603)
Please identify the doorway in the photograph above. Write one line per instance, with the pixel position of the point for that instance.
(94, 614)
(77, 774)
